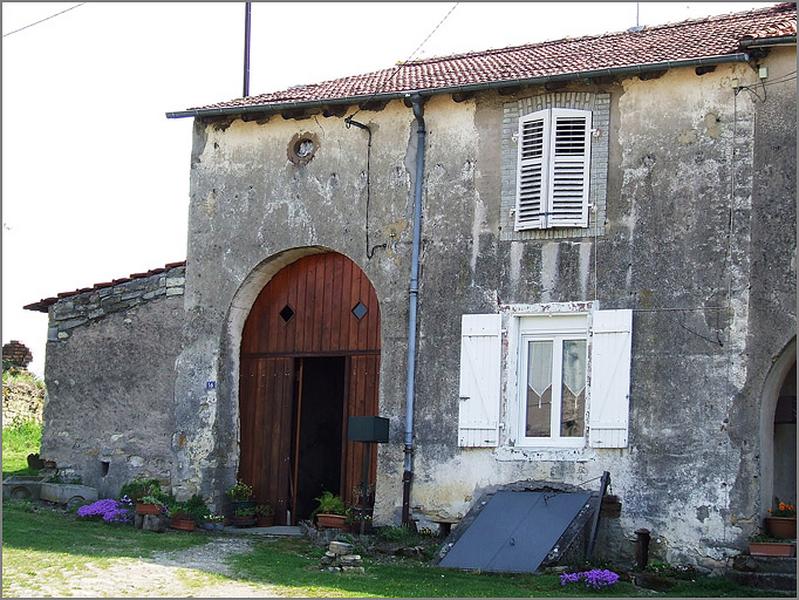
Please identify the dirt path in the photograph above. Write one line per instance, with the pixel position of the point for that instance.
(192, 572)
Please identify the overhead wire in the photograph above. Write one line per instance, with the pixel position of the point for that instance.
(407, 60)
(53, 16)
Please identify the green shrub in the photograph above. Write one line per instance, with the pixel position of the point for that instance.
(329, 504)
(19, 440)
(140, 487)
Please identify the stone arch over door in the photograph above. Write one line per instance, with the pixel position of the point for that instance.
(309, 358)
(772, 454)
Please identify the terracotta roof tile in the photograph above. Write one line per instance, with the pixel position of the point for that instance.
(693, 39)
(45, 303)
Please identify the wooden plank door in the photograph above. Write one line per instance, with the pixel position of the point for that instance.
(362, 396)
(266, 394)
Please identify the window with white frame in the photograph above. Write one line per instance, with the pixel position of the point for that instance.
(568, 379)
(553, 379)
(552, 175)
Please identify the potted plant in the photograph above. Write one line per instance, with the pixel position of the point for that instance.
(180, 516)
(763, 545)
(213, 522)
(146, 494)
(150, 505)
(265, 515)
(243, 516)
(240, 496)
(781, 522)
(331, 512)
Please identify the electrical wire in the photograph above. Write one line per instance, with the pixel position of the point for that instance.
(407, 60)
(43, 20)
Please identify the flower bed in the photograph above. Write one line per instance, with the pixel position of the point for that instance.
(595, 579)
(108, 509)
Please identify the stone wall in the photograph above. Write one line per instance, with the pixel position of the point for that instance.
(681, 152)
(110, 377)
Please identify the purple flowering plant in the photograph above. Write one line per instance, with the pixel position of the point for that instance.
(596, 579)
(108, 509)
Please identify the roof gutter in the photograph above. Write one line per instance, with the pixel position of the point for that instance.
(783, 40)
(475, 87)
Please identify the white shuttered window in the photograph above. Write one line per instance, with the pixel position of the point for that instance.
(481, 358)
(553, 169)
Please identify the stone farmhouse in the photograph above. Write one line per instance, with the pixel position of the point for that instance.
(539, 262)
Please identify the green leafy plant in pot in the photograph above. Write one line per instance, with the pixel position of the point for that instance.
(244, 516)
(180, 516)
(331, 512)
(265, 515)
(240, 495)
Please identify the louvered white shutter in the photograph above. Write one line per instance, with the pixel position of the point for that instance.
(569, 162)
(481, 347)
(609, 404)
(531, 180)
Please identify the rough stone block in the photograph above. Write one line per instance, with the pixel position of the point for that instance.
(155, 523)
(340, 548)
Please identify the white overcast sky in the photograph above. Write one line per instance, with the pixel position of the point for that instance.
(95, 179)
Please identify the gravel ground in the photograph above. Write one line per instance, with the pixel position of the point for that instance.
(169, 574)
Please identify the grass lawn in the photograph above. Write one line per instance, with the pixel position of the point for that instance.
(45, 549)
(19, 440)
(48, 551)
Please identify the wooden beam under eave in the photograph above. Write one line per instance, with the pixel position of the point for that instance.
(462, 96)
(651, 75)
(259, 117)
(509, 90)
(602, 80)
(298, 114)
(373, 105)
(337, 110)
(553, 86)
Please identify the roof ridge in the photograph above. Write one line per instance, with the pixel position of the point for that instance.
(782, 6)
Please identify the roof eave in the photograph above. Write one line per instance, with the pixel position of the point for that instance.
(783, 40)
(611, 71)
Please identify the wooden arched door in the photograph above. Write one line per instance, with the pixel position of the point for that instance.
(310, 358)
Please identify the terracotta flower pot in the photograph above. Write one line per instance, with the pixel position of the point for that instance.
(182, 524)
(781, 527)
(242, 521)
(266, 520)
(326, 521)
(771, 549)
(147, 509)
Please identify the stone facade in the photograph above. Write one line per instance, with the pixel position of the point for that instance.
(108, 414)
(667, 249)
(694, 233)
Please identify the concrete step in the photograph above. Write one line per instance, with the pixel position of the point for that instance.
(764, 564)
(765, 581)
(276, 531)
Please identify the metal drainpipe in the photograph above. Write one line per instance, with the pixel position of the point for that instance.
(413, 293)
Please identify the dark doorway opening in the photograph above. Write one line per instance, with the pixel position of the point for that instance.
(318, 423)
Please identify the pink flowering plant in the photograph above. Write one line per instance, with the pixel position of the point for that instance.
(108, 509)
(595, 579)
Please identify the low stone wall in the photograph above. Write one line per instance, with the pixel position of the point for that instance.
(110, 375)
(74, 311)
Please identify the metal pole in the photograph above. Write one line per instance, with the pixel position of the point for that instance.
(247, 23)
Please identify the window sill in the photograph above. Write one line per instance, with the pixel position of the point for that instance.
(550, 453)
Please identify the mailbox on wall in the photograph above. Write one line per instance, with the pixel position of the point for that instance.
(367, 429)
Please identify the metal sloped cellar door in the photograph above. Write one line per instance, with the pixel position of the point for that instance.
(515, 531)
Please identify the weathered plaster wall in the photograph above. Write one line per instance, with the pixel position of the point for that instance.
(666, 252)
(772, 302)
(110, 381)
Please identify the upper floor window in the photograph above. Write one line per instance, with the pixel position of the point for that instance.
(553, 172)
